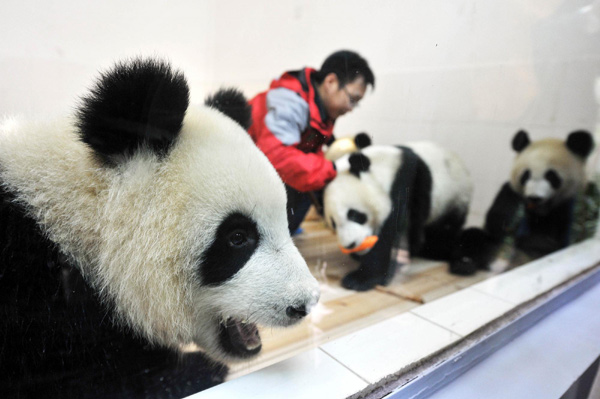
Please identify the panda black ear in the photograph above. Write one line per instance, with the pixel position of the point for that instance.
(580, 143)
(362, 140)
(359, 162)
(232, 103)
(520, 141)
(139, 103)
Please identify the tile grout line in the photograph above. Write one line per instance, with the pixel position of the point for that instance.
(343, 365)
(435, 324)
(496, 297)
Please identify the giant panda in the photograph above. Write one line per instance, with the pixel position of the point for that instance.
(134, 229)
(414, 196)
(546, 205)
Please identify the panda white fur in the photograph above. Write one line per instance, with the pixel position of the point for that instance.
(546, 205)
(416, 195)
(176, 222)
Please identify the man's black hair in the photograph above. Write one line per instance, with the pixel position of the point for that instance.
(347, 66)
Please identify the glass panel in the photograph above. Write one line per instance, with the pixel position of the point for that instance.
(148, 247)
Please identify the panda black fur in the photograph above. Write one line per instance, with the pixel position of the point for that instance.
(546, 205)
(416, 195)
(132, 228)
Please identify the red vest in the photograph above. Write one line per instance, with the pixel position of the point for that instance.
(303, 165)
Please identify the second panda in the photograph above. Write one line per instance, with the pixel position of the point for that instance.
(415, 196)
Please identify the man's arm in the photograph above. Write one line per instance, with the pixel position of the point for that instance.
(287, 117)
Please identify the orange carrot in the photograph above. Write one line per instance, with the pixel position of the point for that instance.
(368, 243)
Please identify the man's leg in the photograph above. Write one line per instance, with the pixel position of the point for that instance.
(298, 204)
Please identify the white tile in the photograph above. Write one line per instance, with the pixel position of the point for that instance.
(530, 280)
(578, 83)
(385, 348)
(463, 311)
(312, 374)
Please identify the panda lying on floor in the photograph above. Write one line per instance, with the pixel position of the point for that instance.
(134, 227)
(547, 204)
(415, 197)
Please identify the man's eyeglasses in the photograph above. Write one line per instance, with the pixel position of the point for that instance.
(351, 99)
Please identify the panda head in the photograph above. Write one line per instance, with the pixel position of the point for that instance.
(548, 172)
(355, 204)
(347, 145)
(171, 212)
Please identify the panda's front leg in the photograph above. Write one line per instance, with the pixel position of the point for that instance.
(375, 266)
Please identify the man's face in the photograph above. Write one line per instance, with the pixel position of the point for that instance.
(340, 100)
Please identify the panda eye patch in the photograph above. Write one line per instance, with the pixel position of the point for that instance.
(524, 177)
(553, 178)
(357, 216)
(235, 241)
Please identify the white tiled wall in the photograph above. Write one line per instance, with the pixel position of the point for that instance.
(466, 73)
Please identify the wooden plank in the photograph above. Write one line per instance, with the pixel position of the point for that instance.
(430, 281)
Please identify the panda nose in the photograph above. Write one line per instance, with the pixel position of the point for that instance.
(351, 245)
(296, 312)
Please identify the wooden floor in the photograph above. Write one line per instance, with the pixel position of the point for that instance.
(341, 311)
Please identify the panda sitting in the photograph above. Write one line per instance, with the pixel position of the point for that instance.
(134, 227)
(387, 198)
(547, 205)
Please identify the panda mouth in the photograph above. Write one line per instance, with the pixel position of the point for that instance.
(532, 205)
(536, 206)
(239, 338)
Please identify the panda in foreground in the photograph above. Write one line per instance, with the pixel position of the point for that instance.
(414, 196)
(546, 205)
(133, 228)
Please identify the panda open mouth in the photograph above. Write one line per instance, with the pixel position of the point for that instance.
(239, 338)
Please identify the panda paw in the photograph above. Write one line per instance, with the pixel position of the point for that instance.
(463, 267)
(360, 281)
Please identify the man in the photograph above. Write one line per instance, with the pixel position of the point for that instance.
(294, 118)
